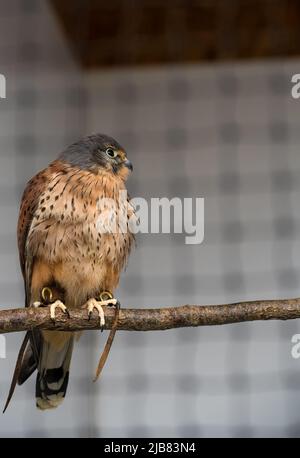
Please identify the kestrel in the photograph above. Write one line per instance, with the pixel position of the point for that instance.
(67, 259)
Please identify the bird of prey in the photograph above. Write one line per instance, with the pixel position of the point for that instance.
(67, 260)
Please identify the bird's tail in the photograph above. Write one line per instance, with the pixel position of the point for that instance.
(53, 369)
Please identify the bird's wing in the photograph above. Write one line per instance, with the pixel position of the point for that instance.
(28, 355)
(34, 189)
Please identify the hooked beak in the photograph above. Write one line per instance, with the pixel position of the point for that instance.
(128, 164)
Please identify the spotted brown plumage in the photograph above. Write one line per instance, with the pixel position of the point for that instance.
(61, 246)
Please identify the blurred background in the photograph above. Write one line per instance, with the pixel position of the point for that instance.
(199, 93)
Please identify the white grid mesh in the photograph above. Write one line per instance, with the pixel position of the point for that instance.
(229, 133)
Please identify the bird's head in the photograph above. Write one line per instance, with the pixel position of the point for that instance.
(97, 153)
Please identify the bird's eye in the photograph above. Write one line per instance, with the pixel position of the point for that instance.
(111, 152)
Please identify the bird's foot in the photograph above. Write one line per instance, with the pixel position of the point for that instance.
(57, 305)
(94, 304)
(50, 299)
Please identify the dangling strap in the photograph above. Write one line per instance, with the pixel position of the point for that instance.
(17, 370)
(111, 336)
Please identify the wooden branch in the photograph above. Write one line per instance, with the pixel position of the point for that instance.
(15, 320)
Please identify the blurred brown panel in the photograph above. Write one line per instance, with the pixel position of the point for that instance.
(141, 32)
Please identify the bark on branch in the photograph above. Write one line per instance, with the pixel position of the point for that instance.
(15, 320)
